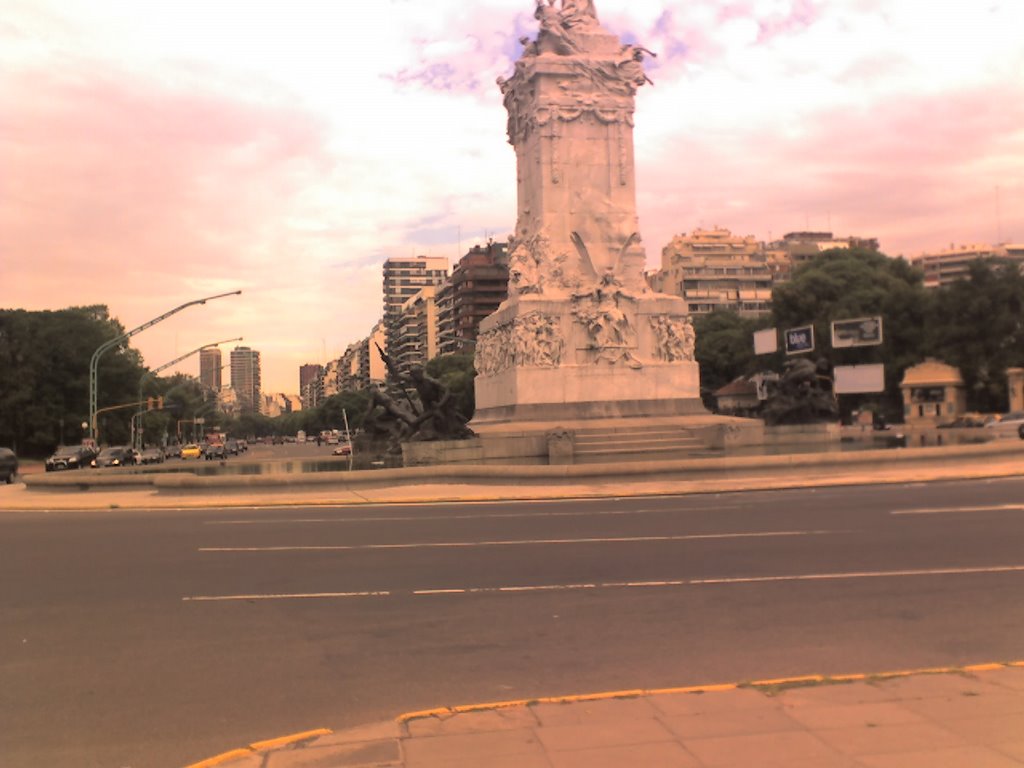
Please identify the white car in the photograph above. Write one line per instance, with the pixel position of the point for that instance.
(1011, 425)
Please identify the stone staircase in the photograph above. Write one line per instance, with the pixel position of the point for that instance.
(635, 443)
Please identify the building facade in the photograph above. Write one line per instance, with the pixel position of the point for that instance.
(475, 289)
(210, 366)
(953, 263)
(246, 379)
(413, 339)
(714, 269)
(403, 279)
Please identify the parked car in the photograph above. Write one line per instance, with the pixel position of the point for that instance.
(115, 456)
(216, 451)
(1010, 425)
(345, 449)
(191, 451)
(70, 457)
(8, 465)
(152, 456)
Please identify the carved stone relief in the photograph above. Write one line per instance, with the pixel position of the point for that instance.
(531, 340)
(608, 328)
(675, 338)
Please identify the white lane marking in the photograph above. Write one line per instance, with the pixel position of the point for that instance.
(625, 584)
(496, 516)
(519, 543)
(296, 596)
(954, 510)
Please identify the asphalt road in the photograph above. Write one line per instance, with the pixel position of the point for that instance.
(143, 639)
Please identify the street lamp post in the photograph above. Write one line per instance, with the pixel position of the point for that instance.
(95, 361)
(137, 437)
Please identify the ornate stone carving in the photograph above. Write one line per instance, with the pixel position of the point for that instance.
(675, 338)
(608, 327)
(530, 340)
(534, 269)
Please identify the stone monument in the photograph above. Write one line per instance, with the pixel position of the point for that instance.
(581, 336)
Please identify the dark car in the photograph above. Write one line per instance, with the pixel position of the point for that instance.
(152, 456)
(8, 465)
(115, 456)
(231, 446)
(216, 451)
(70, 457)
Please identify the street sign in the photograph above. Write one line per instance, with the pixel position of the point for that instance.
(800, 340)
(859, 332)
(199, 420)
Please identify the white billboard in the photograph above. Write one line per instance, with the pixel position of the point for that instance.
(766, 342)
(857, 379)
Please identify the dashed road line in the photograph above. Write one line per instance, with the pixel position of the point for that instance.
(536, 588)
(955, 510)
(518, 542)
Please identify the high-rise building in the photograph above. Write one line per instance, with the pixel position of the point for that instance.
(476, 287)
(210, 365)
(403, 279)
(308, 373)
(414, 340)
(245, 379)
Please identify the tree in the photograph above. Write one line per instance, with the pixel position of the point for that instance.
(44, 376)
(725, 349)
(457, 373)
(843, 284)
(977, 325)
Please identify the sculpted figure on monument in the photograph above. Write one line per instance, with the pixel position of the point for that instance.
(675, 338)
(579, 13)
(610, 331)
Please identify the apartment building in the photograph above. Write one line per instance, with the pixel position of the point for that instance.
(246, 379)
(475, 289)
(714, 269)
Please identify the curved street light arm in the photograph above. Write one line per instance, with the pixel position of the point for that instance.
(94, 362)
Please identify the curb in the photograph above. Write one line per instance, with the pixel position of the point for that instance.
(260, 746)
(769, 687)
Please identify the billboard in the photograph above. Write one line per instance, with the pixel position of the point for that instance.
(766, 342)
(858, 332)
(854, 379)
(799, 340)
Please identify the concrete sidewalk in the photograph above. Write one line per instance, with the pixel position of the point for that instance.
(954, 718)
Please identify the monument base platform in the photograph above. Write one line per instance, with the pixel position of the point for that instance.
(569, 440)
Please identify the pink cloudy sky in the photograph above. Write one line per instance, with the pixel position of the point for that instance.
(154, 152)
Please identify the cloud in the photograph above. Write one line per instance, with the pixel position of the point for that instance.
(153, 152)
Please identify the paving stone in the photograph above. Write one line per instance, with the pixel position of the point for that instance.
(989, 730)
(1014, 749)
(716, 701)
(766, 750)
(664, 755)
(744, 721)
(368, 754)
(596, 712)
(474, 749)
(948, 708)
(962, 757)
(389, 729)
(890, 738)
(854, 715)
(1009, 677)
(630, 731)
(839, 694)
(473, 722)
(934, 685)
